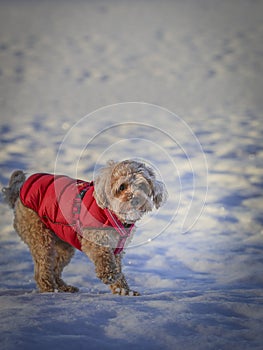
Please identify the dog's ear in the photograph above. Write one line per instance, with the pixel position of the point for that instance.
(102, 185)
(160, 193)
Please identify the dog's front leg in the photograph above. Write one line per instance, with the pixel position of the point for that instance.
(121, 286)
(103, 259)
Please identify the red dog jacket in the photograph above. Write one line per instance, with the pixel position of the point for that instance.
(67, 205)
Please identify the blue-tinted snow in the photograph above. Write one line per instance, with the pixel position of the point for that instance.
(64, 67)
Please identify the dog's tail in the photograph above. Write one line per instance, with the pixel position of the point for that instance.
(11, 193)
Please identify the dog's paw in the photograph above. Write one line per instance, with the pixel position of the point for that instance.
(124, 291)
(68, 289)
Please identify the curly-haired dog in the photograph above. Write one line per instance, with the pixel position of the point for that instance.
(55, 214)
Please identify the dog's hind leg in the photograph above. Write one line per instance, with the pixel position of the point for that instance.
(64, 252)
(44, 268)
(41, 244)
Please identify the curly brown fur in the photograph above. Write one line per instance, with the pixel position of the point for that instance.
(128, 188)
(49, 253)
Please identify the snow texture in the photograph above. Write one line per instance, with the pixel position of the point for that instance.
(72, 76)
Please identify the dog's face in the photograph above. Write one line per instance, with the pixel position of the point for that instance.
(129, 189)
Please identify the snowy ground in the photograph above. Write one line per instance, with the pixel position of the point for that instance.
(201, 273)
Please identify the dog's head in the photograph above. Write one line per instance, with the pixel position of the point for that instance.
(129, 189)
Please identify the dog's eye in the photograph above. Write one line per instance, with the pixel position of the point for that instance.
(122, 187)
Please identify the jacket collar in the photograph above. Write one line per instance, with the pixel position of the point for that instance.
(123, 230)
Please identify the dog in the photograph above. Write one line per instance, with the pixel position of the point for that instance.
(55, 214)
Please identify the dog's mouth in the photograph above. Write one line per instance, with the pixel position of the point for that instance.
(132, 210)
(133, 215)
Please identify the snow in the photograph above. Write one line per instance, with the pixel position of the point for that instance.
(179, 85)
